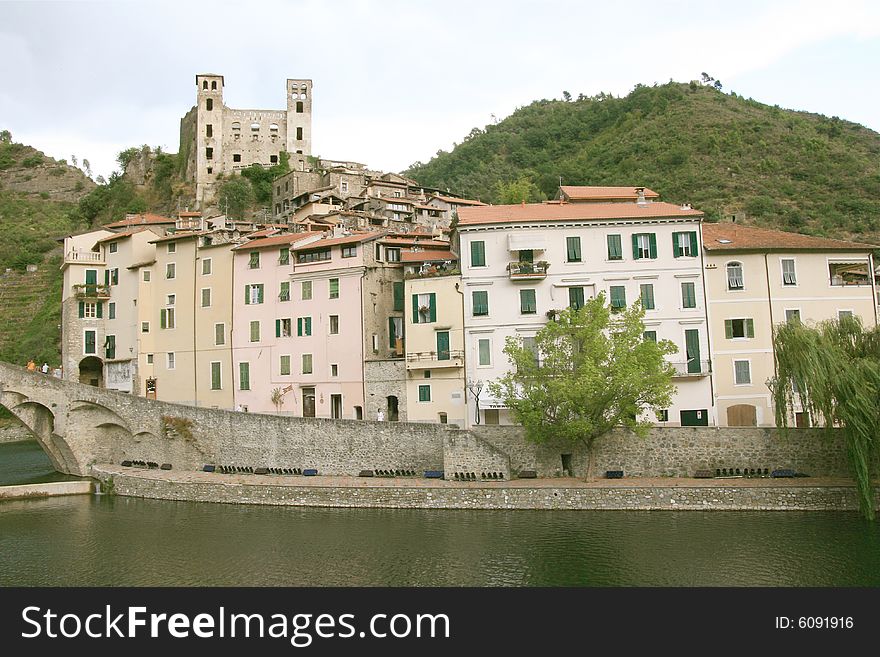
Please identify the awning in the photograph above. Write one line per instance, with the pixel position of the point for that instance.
(526, 241)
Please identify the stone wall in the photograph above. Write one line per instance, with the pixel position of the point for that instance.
(464, 452)
(679, 452)
(384, 378)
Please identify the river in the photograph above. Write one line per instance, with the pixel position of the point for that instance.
(115, 541)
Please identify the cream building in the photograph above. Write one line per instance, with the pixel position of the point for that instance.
(757, 278)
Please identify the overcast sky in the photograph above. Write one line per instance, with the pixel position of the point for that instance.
(395, 81)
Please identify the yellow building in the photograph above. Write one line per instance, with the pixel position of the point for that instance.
(757, 278)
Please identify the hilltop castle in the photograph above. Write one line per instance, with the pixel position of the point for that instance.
(216, 140)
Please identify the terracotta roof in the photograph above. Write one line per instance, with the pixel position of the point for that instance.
(459, 201)
(264, 232)
(333, 241)
(180, 236)
(275, 240)
(138, 265)
(497, 214)
(119, 236)
(145, 218)
(424, 256)
(750, 238)
(576, 192)
(416, 239)
(189, 214)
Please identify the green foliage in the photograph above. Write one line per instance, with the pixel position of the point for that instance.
(593, 372)
(261, 179)
(5, 137)
(835, 367)
(691, 143)
(126, 156)
(235, 196)
(32, 161)
(518, 191)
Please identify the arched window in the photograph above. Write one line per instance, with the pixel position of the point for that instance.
(214, 85)
(273, 127)
(255, 127)
(734, 276)
(236, 126)
(205, 85)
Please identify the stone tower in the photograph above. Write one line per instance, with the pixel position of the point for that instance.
(209, 133)
(299, 117)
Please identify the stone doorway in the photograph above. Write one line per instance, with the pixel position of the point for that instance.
(91, 371)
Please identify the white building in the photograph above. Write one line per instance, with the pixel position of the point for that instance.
(520, 261)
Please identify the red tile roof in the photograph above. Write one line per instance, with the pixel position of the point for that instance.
(122, 235)
(189, 214)
(498, 214)
(426, 256)
(274, 240)
(264, 232)
(145, 218)
(458, 201)
(420, 240)
(751, 238)
(589, 193)
(333, 241)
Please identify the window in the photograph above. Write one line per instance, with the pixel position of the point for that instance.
(254, 262)
(111, 310)
(688, 295)
(110, 347)
(397, 289)
(307, 364)
(529, 344)
(742, 372)
(573, 249)
(255, 127)
(395, 331)
(284, 256)
(484, 352)
(618, 297)
(236, 126)
(576, 297)
(306, 290)
(145, 327)
(663, 415)
(89, 340)
(334, 288)
(253, 294)
(209, 153)
(646, 291)
(284, 292)
(283, 327)
(206, 297)
(649, 335)
(349, 251)
(146, 275)
(149, 359)
(244, 376)
(375, 339)
(425, 393)
(334, 369)
(480, 299)
(792, 315)
(299, 133)
(166, 318)
(169, 300)
(169, 360)
(739, 328)
(299, 107)
(527, 302)
(478, 254)
(303, 326)
(424, 308)
(206, 267)
(219, 334)
(215, 375)
(644, 246)
(841, 314)
(170, 270)
(392, 254)
(788, 274)
(334, 324)
(343, 186)
(684, 244)
(113, 247)
(615, 247)
(313, 256)
(734, 276)
(443, 345)
(209, 104)
(255, 331)
(285, 365)
(692, 350)
(236, 157)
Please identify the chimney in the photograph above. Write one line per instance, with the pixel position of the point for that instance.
(640, 196)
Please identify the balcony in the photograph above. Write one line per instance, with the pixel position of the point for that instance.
(83, 256)
(423, 360)
(91, 291)
(692, 369)
(527, 271)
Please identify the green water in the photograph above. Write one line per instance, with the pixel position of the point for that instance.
(100, 540)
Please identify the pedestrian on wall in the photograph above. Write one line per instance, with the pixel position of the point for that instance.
(380, 415)
(45, 368)
(31, 365)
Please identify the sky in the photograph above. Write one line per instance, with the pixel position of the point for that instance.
(395, 81)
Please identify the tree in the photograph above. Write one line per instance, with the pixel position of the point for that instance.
(588, 371)
(5, 136)
(518, 191)
(87, 167)
(832, 371)
(566, 96)
(236, 195)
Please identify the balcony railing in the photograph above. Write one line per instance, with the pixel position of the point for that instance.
(83, 255)
(692, 368)
(452, 358)
(526, 271)
(91, 291)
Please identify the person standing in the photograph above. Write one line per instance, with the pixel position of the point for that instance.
(45, 368)
(31, 365)
(380, 415)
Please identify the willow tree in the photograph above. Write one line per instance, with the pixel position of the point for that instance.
(832, 370)
(586, 371)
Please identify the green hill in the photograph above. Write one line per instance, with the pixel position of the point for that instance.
(720, 152)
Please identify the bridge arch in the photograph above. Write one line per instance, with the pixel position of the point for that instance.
(40, 419)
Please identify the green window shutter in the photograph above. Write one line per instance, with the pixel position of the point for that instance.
(260, 293)
(442, 345)
(480, 302)
(277, 328)
(676, 251)
(750, 328)
(115, 278)
(688, 295)
(424, 393)
(433, 306)
(255, 331)
(99, 309)
(308, 325)
(398, 296)
(215, 376)
(576, 297)
(728, 329)
(82, 309)
(484, 355)
(106, 277)
(299, 326)
(334, 288)
(573, 245)
(247, 294)
(392, 334)
(692, 345)
(244, 376)
(92, 276)
(635, 240)
(285, 365)
(618, 297)
(615, 247)
(647, 296)
(694, 245)
(478, 254)
(650, 335)
(163, 314)
(415, 304)
(527, 303)
(652, 245)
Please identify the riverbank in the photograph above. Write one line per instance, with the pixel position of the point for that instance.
(802, 494)
(54, 489)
